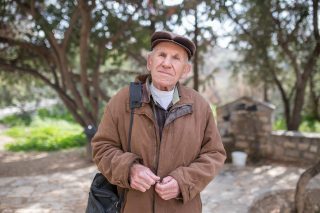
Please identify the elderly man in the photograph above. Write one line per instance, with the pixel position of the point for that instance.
(176, 149)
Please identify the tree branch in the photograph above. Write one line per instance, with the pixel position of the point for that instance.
(41, 51)
(63, 64)
(236, 20)
(70, 103)
(284, 44)
(55, 76)
(280, 87)
(68, 32)
(296, 27)
(41, 21)
(315, 6)
(95, 81)
(12, 68)
(84, 44)
(138, 58)
(103, 95)
(313, 57)
(124, 26)
(58, 53)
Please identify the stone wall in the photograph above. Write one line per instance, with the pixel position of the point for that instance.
(294, 146)
(248, 128)
(246, 125)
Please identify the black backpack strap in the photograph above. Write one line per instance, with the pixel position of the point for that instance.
(135, 102)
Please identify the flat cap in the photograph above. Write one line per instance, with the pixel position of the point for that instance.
(184, 42)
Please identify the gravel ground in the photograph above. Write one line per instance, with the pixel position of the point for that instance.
(59, 182)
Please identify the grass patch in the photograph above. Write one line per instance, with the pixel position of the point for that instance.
(46, 135)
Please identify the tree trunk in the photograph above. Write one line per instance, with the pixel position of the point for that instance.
(195, 59)
(301, 186)
(152, 8)
(314, 100)
(295, 120)
(265, 92)
(301, 89)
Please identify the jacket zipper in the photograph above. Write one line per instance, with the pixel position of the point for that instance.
(157, 147)
(158, 144)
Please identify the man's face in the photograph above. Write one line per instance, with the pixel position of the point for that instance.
(167, 63)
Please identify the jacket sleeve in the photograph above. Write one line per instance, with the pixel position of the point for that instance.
(108, 154)
(195, 177)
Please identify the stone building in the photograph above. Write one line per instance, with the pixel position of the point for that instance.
(246, 125)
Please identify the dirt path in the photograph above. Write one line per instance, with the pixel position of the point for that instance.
(39, 163)
(44, 181)
(59, 182)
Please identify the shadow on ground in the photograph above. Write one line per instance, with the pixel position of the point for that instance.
(41, 163)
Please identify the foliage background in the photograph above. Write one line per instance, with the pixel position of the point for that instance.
(82, 52)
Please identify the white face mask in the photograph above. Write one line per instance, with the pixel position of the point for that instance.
(164, 98)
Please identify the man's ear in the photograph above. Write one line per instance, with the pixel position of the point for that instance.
(149, 61)
(187, 70)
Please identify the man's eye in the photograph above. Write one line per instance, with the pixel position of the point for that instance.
(176, 57)
(162, 55)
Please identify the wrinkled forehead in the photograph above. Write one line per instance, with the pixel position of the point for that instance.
(171, 48)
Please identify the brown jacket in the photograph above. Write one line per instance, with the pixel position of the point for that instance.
(190, 149)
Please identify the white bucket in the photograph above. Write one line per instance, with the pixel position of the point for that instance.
(239, 158)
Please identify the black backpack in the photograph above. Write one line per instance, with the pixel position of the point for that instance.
(103, 196)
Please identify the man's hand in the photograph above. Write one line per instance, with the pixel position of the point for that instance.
(142, 178)
(168, 188)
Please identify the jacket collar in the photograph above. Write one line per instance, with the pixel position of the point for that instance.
(146, 93)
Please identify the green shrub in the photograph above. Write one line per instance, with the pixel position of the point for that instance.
(46, 135)
(56, 112)
(307, 125)
(279, 124)
(23, 119)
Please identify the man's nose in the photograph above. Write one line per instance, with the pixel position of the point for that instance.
(166, 62)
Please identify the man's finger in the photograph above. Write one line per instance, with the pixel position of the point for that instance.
(166, 180)
(164, 191)
(140, 186)
(148, 180)
(148, 177)
(165, 195)
(168, 188)
(159, 190)
(153, 176)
